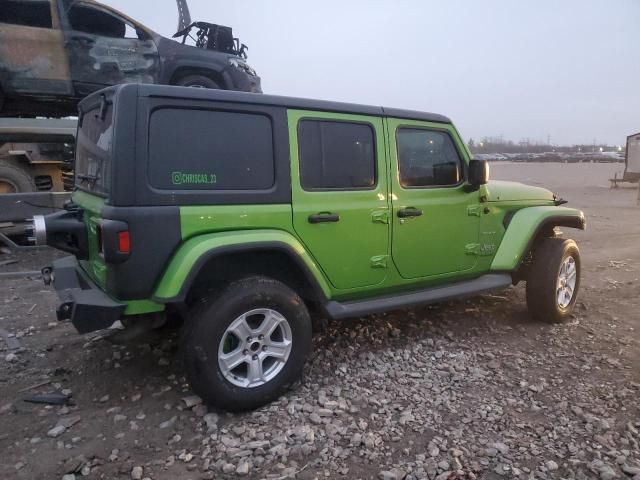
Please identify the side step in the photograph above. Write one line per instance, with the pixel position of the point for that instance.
(358, 308)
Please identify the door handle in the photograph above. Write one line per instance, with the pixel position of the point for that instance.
(409, 212)
(324, 218)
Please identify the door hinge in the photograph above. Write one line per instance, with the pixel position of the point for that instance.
(484, 249)
(380, 216)
(379, 261)
(474, 211)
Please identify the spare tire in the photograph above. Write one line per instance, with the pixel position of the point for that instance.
(15, 179)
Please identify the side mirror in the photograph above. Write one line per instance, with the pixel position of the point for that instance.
(478, 172)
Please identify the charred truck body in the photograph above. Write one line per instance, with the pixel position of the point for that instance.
(55, 52)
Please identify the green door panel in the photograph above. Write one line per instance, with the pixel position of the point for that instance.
(92, 206)
(185, 259)
(442, 239)
(349, 250)
(522, 228)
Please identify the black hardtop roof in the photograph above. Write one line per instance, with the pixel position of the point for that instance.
(228, 96)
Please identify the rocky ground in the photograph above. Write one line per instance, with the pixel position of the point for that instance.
(462, 390)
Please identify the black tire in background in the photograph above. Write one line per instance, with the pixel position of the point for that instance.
(15, 179)
(205, 331)
(197, 81)
(542, 283)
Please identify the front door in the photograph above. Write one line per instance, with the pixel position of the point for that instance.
(107, 49)
(340, 197)
(32, 55)
(435, 217)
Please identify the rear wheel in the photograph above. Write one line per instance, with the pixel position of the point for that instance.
(197, 81)
(15, 179)
(554, 279)
(245, 346)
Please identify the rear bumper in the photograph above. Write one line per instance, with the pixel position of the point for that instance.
(84, 303)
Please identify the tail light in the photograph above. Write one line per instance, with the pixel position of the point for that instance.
(114, 240)
(124, 242)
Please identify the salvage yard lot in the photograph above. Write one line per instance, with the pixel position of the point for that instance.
(466, 389)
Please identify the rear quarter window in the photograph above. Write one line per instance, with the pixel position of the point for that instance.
(94, 150)
(210, 150)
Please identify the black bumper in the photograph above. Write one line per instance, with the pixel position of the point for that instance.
(88, 307)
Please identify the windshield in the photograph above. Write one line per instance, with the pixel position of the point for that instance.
(93, 157)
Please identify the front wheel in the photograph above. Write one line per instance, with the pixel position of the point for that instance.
(554, 280)
(245, 346)
(197, 81)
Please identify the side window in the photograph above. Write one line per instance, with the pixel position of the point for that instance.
(29, 13)
(336, 155)
(427, 158)
(98, 22)
(210, 150)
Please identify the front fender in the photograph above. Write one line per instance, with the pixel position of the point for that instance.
(525, 226)
(195, 252)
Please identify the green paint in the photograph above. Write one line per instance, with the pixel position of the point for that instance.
(191, 250)
(224, 218)
(139, 307)
(92, 205)
(434, 243)
(371, 251)
(521, 229)
(343, 249)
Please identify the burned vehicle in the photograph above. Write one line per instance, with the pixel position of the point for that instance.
(55, 52)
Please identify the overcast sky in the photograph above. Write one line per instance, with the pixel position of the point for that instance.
(569, 69)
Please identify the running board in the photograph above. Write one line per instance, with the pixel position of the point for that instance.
(483, 284)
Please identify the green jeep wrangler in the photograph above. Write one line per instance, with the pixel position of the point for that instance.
(248, 215)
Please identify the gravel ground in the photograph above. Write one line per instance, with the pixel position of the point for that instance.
(461, 390)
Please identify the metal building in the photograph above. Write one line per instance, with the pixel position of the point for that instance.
(632, 169)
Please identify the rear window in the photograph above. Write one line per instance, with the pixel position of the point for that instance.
(93, 150)
(210, 150)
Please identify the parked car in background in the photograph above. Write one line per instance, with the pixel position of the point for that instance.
(55, 52)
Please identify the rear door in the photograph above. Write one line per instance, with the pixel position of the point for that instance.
(339, 189)
(435, 219)
(106, 48)
(32, 55)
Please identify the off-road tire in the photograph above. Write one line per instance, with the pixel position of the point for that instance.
(16, 178)
(542, 282)
(204, 331)
(197, 81)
